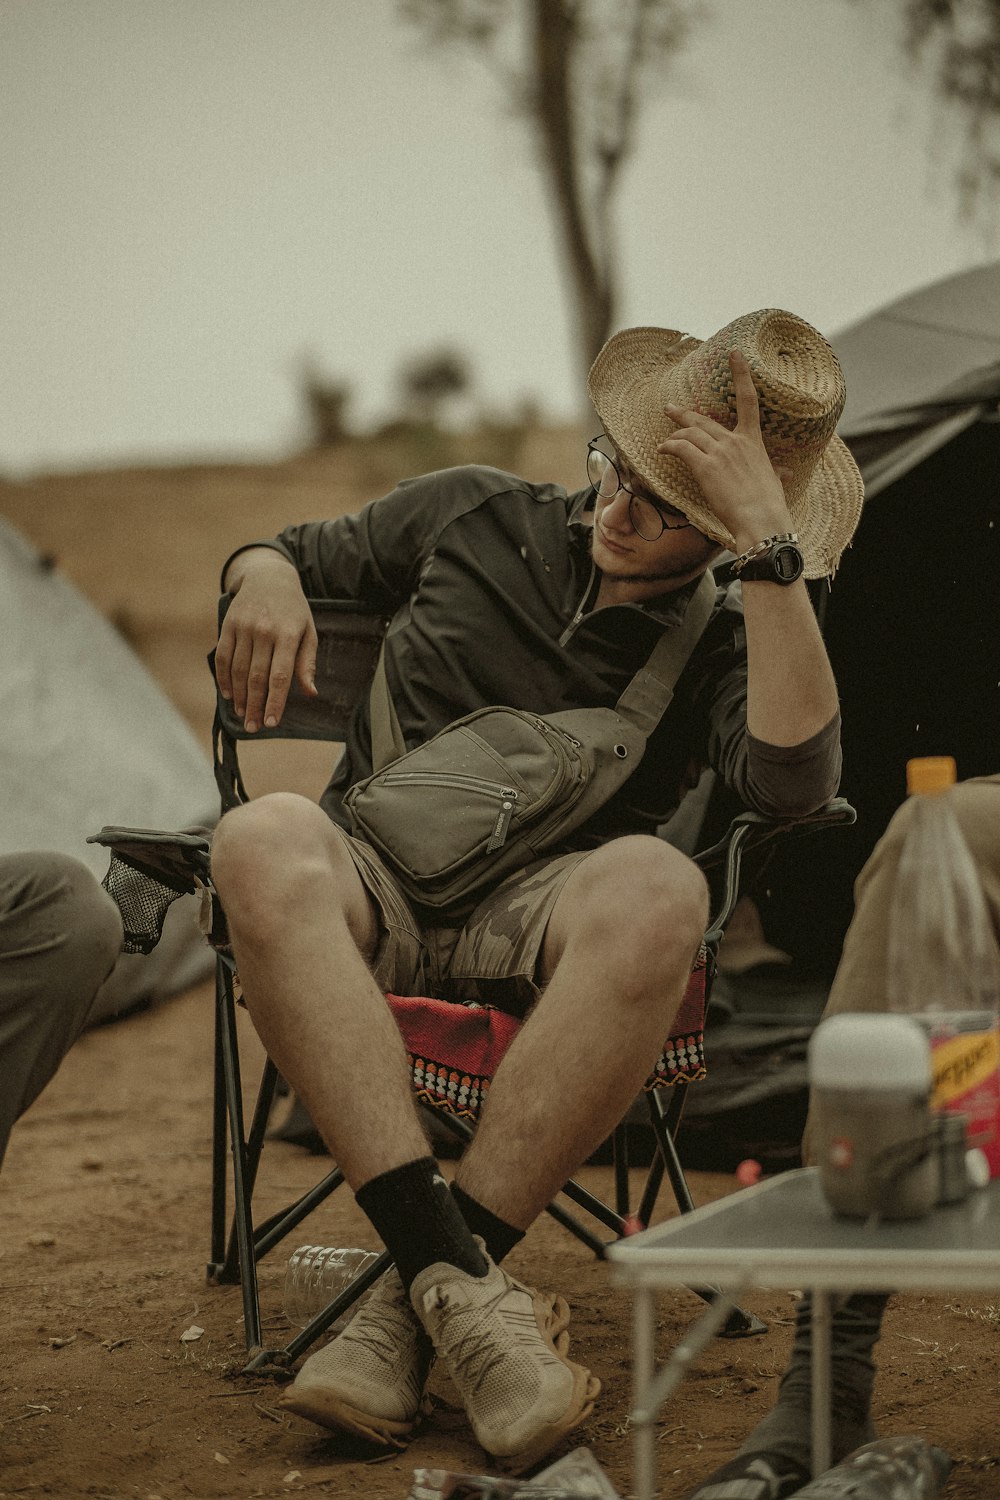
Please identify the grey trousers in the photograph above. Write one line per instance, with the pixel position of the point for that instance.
(60, 935)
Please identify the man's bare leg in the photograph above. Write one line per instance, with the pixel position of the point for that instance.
(617, 956)
(302, 928)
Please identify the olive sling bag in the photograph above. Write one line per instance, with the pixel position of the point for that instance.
(498, 788)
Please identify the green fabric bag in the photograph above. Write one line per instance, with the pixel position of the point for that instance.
(500, 787)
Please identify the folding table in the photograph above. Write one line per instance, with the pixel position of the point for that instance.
(781, 1235)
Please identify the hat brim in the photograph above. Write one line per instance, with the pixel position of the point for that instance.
(625, 385)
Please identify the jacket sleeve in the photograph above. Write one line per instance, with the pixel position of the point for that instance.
(776, 780)
(374, 556)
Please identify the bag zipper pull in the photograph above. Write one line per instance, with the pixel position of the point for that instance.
(499, 835)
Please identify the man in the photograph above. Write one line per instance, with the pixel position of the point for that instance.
(60, 935)
(775, 1460)
(513, 593)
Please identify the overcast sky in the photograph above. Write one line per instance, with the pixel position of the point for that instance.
(198, 194)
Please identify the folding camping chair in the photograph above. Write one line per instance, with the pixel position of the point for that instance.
(453, 1049)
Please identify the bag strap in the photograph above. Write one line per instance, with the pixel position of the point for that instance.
(387, 737)
(643, 703)
(648, 695)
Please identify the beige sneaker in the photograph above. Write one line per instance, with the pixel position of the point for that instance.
(370, 1379)
(520, 1392)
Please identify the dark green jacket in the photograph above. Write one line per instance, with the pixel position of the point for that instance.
(498, 577)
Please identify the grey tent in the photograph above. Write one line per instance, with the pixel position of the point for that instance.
(910, 625)
(88, 738)
(910, 619)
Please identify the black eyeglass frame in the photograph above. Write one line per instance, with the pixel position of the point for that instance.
(659, 507)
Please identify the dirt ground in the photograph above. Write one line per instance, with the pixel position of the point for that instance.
(104, 1196)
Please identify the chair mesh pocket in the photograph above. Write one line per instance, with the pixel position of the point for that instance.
(143, 903)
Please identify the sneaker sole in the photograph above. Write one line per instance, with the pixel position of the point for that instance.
(586, 1390)
(328, 1409)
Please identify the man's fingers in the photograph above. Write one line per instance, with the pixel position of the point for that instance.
(242, 653)
(747, 405)
(224, 662)
(687, 437)
(305, 662)
(278, 683)
(258, 680)
(685, 416)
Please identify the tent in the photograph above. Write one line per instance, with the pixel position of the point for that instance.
(88, 738)
(910, 620)
(911, 631)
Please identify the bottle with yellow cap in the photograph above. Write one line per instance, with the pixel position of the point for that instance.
(943, 962)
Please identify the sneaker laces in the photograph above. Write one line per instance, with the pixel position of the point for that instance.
(477, 1350)
(383, 1322)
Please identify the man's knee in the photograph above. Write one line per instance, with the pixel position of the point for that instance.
(57, 917)
(644, 901)
(268, 856)
(93, 926)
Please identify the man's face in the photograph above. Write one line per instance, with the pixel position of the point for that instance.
(678, 554)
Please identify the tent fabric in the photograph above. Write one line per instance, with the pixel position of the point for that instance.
(915, 347)
(907, 622)
(919, 372)
(88, 738)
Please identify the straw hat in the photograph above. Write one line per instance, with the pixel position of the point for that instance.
(801, 392)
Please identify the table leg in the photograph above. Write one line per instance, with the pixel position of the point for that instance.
(821, 1394)
(644, 1433)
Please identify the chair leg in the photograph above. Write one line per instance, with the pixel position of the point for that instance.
(219, 1140)
(665, 1120)
(619, 1156)
(242, 1223)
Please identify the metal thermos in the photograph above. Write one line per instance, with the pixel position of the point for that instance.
(871, 1104)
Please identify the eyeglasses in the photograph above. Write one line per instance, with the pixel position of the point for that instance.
(650, 517)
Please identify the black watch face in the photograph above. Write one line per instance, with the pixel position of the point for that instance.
(787, 563)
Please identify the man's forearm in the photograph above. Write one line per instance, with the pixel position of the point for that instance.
(791, 691)
(255, 558)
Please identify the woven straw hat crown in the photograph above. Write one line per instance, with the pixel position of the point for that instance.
(801, 392)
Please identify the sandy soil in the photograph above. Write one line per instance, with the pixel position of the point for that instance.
(104, 1194)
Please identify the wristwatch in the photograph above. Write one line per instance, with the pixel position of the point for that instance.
(780, 562)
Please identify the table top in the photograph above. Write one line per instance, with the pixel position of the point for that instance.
(783, 1235)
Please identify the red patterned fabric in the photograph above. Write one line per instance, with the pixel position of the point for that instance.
(454, 1050)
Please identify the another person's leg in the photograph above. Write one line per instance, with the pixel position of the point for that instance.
(60, 935)
(860, 983)
(781, 1441)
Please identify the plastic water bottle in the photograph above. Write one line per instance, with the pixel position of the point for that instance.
(943, 964)
(884, 1470)
(870, 1077)
(315, 1274)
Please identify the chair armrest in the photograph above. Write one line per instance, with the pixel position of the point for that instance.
(349, 639)
(749, 833)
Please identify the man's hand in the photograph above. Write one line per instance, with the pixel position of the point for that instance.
(267, 638)
(736, 476)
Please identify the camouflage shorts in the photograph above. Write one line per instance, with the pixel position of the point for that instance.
(491, 958)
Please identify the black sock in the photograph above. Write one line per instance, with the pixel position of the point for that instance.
(419, 1221)
(855, 1327)
(497, 1235)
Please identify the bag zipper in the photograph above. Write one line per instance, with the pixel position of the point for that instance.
(507, 795)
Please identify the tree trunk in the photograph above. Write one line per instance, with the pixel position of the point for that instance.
(554, 41)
